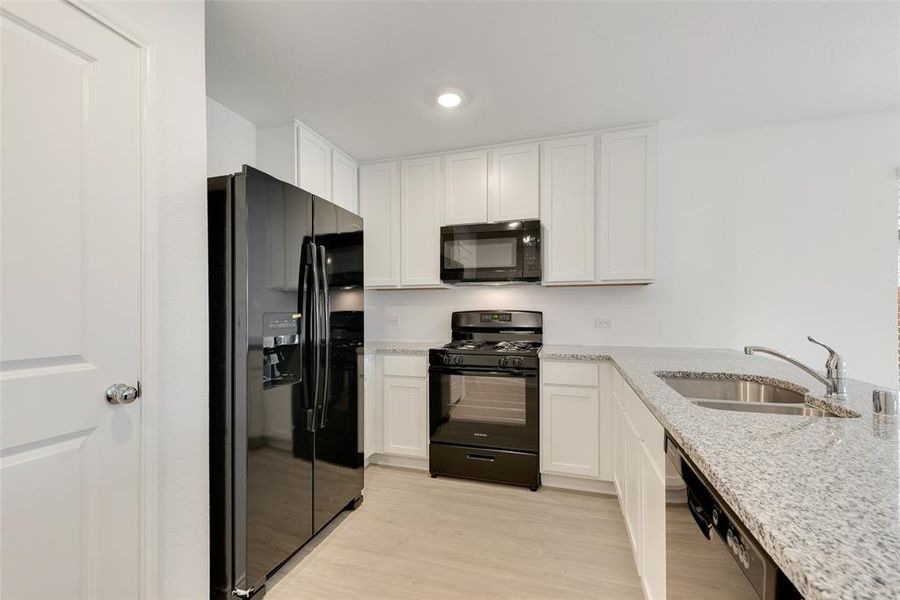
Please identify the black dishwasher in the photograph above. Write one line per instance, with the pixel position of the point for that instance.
(709, 553)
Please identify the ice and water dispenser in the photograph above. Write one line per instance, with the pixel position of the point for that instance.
(281, 349)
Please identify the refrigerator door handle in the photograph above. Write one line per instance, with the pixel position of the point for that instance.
(327, 337)
(306, 324)
(316, 333)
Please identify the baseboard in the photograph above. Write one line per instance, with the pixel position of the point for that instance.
(406, 462)
(579, 484)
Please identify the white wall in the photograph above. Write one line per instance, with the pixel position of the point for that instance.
(175, 32)
(230, 140)
(765, 235)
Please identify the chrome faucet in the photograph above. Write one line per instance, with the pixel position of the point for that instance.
(835, 368)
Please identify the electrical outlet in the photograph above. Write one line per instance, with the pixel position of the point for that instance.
(392, 321)
(603, 323)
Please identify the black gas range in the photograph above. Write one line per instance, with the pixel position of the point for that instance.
(484, 398)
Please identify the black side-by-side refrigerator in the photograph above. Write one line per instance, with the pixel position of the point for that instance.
(286, 373)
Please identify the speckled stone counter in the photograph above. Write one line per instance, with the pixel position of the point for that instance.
(411, 348)
(821, 494)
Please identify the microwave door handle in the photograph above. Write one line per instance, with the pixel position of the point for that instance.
(326, 330)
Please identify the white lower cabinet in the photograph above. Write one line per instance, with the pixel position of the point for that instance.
(574, 404)
(402, 406)
(404, 417)
(639, 477)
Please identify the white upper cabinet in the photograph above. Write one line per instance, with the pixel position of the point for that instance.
(292, 152)
(379, 198)
(627, 223)
(514, 190)
(420, 217)
(567, 209)
(313, 163)
(465, 188)
(344, 182)
(276, 151)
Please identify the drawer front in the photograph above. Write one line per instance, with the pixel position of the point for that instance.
(405, 366)
(567, 372)
(502, 466)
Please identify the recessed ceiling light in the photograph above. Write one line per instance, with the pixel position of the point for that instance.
(449, 99)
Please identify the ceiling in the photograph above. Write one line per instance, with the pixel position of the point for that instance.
(365, 74)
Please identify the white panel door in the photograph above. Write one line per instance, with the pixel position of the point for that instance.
(514, 189)
(465, 187)
(313, 163)
(653, 509)
(570, 431)
(567, 209)
(404, 404)
(379, 199)
(627, 224)
(420, 206)
(344, 181)
(70, 275)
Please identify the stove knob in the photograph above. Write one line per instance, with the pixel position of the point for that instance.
(503, 361)
(517, 362)
(445, 359)
(457, 360)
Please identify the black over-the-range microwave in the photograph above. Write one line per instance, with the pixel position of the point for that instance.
(491, 252)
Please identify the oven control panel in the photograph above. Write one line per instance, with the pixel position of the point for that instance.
(496, 317)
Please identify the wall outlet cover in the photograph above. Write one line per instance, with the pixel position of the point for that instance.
(392, 321)
(603, 323)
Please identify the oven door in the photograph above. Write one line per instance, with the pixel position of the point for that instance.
(484, 407)
(495, 252)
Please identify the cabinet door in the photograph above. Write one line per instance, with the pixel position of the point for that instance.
(605, 444)
(276, 147)
(634, 459)
(570, 430)
(627, 223)
(313, 163)
(420, 202)
(379, 195)
(465, 188)
(567, 209)
(404, 416)
(514, 187)
(653, 509)
(344, 181)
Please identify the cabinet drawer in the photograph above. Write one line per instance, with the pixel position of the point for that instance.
(567, 372)
(405, 366)
(502, 466)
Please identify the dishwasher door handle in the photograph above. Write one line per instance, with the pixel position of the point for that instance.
(699, 515)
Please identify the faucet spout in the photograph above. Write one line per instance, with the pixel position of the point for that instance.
(835, 380)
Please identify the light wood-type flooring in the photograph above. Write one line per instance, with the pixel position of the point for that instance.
(417, 537)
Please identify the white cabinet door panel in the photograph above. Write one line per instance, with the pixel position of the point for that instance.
(344, 181)
(404, 406)
(420, 200)
(276, 151)
(514, 189)
(570, 430)
(567, 209)
(627, 223)
(379, 197)
(653, 508)
(70, 318)
(313, 163)
(465, 191)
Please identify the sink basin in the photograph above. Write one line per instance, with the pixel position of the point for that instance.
(744, 396)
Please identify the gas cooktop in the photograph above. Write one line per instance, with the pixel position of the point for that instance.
(493, 346)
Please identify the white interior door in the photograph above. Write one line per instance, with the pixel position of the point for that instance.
(70, 315)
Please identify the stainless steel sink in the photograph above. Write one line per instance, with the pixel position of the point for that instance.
(744, 396)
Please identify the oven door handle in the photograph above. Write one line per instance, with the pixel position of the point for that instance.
(488, 372)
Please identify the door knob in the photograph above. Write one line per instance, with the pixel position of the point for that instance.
(122, 393)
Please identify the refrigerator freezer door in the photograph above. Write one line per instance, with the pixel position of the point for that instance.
(338, 469)
(275, 221)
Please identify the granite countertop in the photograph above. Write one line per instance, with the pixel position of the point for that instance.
(411, 348)
(821, 494)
